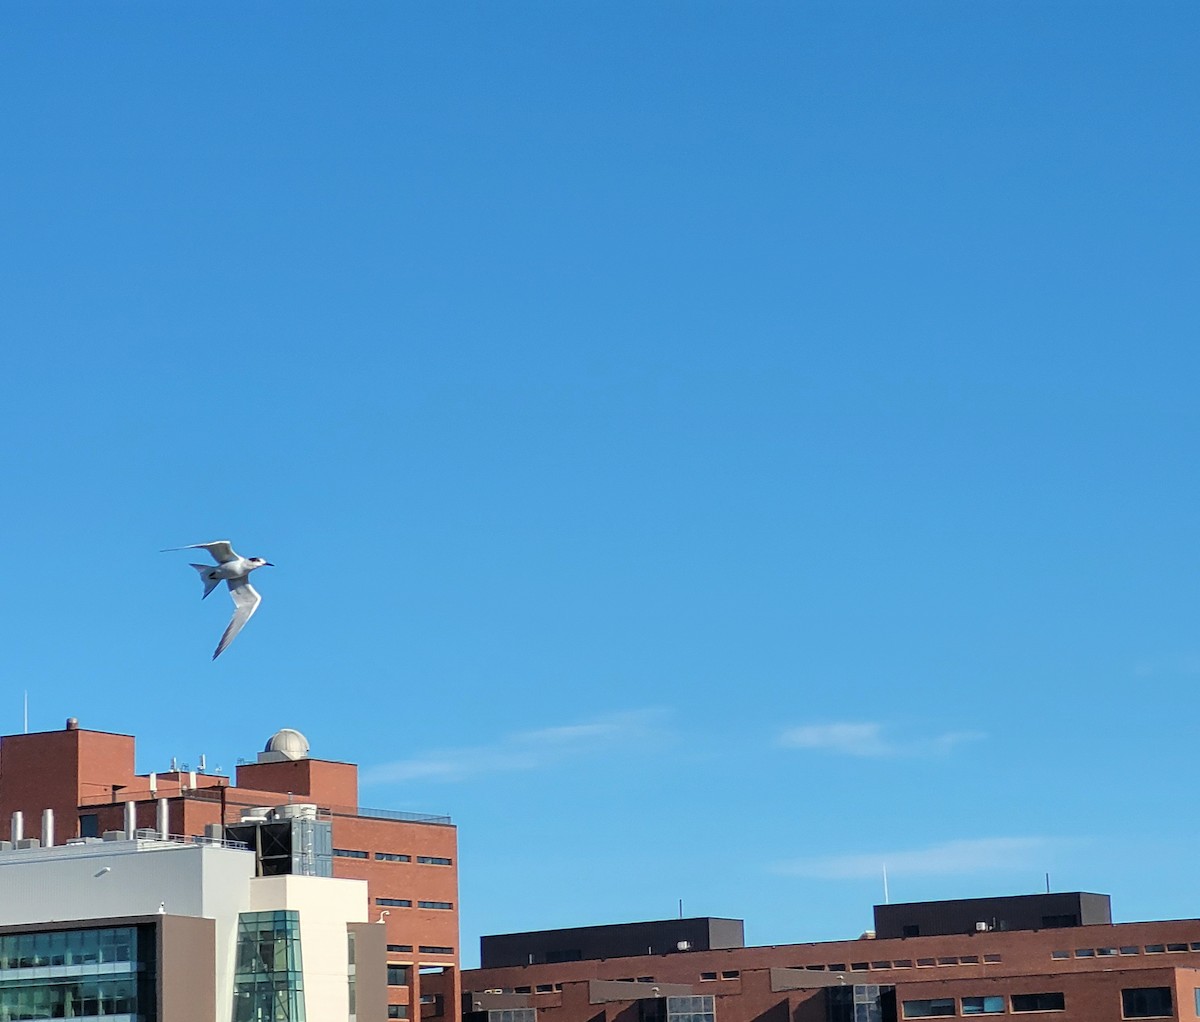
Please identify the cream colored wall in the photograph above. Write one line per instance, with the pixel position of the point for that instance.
(131, 878)
(325, 905)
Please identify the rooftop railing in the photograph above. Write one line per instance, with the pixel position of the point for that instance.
(235, 800)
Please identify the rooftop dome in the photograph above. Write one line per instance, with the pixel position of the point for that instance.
(289, 743)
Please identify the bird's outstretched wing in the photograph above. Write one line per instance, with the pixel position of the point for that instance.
(245, 603)
(221, 550)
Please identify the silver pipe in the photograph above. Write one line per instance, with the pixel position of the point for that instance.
(47, 828)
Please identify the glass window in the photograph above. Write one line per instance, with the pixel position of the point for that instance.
(433, 949)
(349, 853)
(924, 963)
(948, 960)
(1060, 954)
(992, 959)
(968, 959)
(1147, 1002)
(268, 971)
(929, 1008)
(435, 904)
(1177, 947)
(399, 949)
(397, 975)
(543, 988)
(1085, 952)
(394, 902)
(983, 1005)
(392, 857)
(397, 1011)
(1106, 952)
(1038, 1002)
(1155, 949)
(881, 965)
(1130, 949)
(708, 976)
(730, 974)
(434, 860)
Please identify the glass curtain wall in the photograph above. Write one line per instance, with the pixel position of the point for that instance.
(103, 973)
(268, 981)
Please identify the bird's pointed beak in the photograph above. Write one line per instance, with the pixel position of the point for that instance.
(268, 564)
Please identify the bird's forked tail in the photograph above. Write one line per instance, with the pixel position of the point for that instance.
(208, 576)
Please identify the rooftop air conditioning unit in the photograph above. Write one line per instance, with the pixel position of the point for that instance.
(297, 811)
(684, 945)
(981, 927)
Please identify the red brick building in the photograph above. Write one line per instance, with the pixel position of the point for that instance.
(88, 780)
(1082, 973)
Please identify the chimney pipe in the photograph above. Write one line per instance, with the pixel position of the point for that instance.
(72, 723)
(47, 828)
(164, 819)
(130, 819)
(18, 826)
(153, 783)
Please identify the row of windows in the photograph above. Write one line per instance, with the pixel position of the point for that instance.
(727, 974)
(899, 963)
(407, 903)
(1137, 1002)
(362, 853)
(937, 1007)
(1128, 949)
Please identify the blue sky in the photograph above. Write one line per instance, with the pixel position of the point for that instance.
(710, 450)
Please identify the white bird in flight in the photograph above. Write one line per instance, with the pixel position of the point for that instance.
(234, 571)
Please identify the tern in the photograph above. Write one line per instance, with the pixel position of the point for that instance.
(234, 570)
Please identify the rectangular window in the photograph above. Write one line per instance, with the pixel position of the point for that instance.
(645, 979)
(858, 966)
(881, 965)
(1085, 952)
(948, 960)
(1176, 947)
(397, 975)
(434, 904)
(902, 963)
(1106, 952)
(394, 902)
(89, 825)
(1060, 954)
(543, 988)
(968, 960)
(707, 977)
(983, 1005)
(1130, 949)
(349, 853)
(931, 1008)
(1039, 1002)
(1155, 949)
(397, 1011)
(399, 949)
(434, 949)
(730, 974)
(992, 959)
(392, 857)
(434, 860)
(1147, 1002)
(925, 963)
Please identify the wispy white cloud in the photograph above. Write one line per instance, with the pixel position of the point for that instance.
(523, 750)
(977, 855)
(870, 739)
